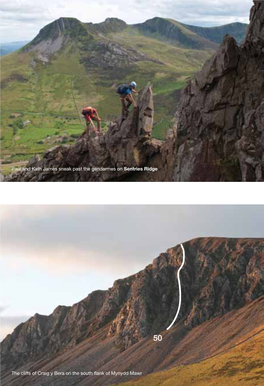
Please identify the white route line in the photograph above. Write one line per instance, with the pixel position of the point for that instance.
(180, 292)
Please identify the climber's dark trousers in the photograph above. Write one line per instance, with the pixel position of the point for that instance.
(126, 103)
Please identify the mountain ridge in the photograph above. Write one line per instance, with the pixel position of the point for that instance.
(215, 34)
(175, 31)
(221, 276)
(64, 30)
(113, 24)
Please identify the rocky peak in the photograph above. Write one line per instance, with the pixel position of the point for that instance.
(46, 335)
(121, 154)
(111, 24)
(219, 275)
(54, 36)
(65, 23)
(255, 33)
(220, 120)
(57, 28)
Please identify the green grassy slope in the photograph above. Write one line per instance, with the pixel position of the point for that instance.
(175, 33)
(44, 98)
(242, 365)
(50, 96)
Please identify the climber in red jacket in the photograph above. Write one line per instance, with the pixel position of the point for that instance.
(91, 115)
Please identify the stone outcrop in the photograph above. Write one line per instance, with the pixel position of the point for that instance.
(111, 55)
(220, 275)
(46, 335)
(127, 152)
(220, 121)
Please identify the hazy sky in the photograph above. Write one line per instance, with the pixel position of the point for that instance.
(53, 255)
(22, 19)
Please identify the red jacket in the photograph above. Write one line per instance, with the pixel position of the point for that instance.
(89, 112)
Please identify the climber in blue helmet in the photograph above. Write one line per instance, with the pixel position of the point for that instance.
(125, 92)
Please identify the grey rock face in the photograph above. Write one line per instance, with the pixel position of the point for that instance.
(127, 144)
(111, 55)
(45, 335)
(219, 275)
(52, 38)
(220, 120)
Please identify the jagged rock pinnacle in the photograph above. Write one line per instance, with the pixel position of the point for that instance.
(121, 154)
(256, 32)
(220, 124)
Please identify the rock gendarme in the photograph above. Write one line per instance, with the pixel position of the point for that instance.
(127, 152)
(220, 121)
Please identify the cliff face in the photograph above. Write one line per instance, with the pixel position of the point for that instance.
(46, 335)
(55, 36)
(121, 154)
(220, 275)
(220, 122)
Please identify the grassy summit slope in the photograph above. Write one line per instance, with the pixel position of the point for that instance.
(71, 64)
(176, 34)
(242, 365)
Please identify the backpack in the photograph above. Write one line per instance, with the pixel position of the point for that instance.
(122, 89)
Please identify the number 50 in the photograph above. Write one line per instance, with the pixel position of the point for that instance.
(157, 338)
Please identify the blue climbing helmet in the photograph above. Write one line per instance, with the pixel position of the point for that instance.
(133, 84)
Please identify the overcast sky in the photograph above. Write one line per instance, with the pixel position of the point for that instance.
(22, 19)
(53, 255)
